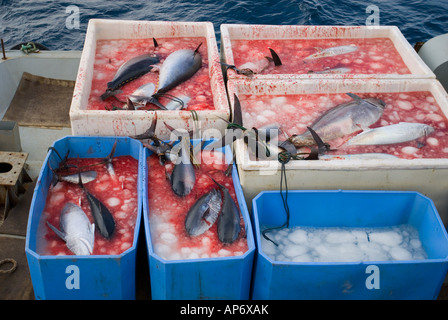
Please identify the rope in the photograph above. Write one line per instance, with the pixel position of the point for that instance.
(8, 260)
(30, 47)
(283, 158)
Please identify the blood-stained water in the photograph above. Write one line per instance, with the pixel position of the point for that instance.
(111, 54)
(294, 113)
(373, 56)
(167, 212)
(119, 194)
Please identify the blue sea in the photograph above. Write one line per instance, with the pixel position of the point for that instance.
(61, 25)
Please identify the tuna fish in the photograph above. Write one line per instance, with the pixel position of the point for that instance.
(75, 230)
(104, 220)
(342, 120)
(358, 156)
(254, 67)
(340, 70)
(183, 177)
(331, 52)
(395, 133)
(229, 220)
(178, 67)
(130, 70)
(203, 214)
(86, 177)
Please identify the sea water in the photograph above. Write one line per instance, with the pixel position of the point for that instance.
(343, 244)
(62, 25)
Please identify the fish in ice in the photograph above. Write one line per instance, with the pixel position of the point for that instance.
(229, 220)
(130, 70)
(86, 177)
(177, 68)
(253, 67)
(358, 156)
(339, 70)
(183, 177)
(342, 120)
(394, 133)
(331, 52)
(203, 214)
(75, 229)
(104, 220)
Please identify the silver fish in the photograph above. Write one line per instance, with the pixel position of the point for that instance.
(340, 70)
(395, 133)
(358, 156)
(86, 176)
(129, 71)
(76, 230)
(229, 226)
(331, 52)
(178, 67)
(203, 214)
(342, 120)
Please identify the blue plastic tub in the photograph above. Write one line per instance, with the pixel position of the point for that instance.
(205, 278)
(404, 279)
(81, 277)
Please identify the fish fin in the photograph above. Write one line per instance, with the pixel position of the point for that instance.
(154, 41)
(322, 147)
(109, 93)
(354, 96)
(153, 100)
(130, 104)
(197, 49)
(59, 233)
(275, 58)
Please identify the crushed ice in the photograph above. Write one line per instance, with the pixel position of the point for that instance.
(312, 244)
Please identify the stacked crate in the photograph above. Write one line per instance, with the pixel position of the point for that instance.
(427, 176)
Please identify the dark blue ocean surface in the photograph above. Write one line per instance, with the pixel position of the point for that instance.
(48, 22)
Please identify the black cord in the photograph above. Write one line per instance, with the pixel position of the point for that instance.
(283, 158)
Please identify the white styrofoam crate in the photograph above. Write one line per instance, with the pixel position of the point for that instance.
(412, 60)
(130, 123)
(428, 176)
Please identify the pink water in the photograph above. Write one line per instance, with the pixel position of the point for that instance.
(111, 54)
(374, 56)
(295, 112)
(119, 195)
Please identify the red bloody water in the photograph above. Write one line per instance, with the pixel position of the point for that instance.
(111, 54)
(119, 195)
(295, 112)
(374, 56)
(167, 212)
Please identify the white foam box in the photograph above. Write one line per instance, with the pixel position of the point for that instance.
(427, 176)
(412, 60)
(130, 123)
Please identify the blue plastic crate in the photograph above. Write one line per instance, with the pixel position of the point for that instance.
(98, 276)
(404, 279)
(207, 278)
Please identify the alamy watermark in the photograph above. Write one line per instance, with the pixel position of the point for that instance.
(72, 21)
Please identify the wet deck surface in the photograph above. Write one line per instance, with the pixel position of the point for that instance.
(17, 285)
